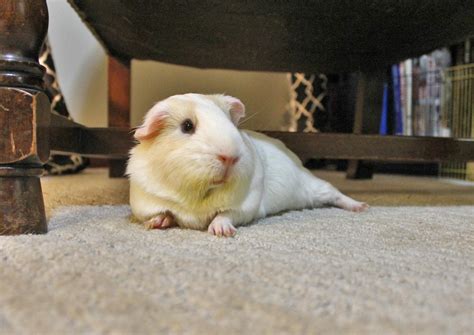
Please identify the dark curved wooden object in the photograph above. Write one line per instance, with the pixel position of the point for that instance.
(266, 35)
(24, 116)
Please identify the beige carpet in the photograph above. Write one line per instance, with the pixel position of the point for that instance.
(391, 270)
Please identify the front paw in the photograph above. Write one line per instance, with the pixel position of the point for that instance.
(221, 226)
(161, 221)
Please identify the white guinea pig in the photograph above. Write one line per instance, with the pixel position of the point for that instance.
(194, 168)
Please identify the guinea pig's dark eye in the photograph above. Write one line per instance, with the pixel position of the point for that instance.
(187, 126)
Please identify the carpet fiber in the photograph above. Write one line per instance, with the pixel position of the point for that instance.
(389, 270)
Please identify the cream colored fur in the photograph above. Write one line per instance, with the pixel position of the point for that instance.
(173, 174)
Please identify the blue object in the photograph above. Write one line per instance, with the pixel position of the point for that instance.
(383, 119)
(397, 100)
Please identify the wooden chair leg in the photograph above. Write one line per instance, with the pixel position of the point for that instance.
(118, 105)
(367, 118)
(21, 202)
(24, 117)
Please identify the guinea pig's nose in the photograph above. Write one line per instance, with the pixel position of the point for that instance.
(228, 160)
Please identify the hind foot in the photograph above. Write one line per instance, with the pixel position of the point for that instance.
(350, 204)
(161, 221)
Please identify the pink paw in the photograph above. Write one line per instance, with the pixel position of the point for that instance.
(161, 221)
(350, 204)
(221, 226)
(359, 207)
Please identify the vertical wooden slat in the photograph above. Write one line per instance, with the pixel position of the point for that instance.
(355, 167)
(119, 102)
(367, 117)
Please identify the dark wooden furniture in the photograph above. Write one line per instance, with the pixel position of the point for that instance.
(24, 116)
(310, 36)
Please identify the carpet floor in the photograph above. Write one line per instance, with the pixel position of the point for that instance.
(394, 269)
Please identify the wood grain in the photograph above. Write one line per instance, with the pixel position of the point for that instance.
(24, 116)
(23, 26)
(21, 202)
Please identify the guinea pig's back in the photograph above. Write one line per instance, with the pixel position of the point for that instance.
(284, 175)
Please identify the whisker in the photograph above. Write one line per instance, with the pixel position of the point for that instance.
(248, 118)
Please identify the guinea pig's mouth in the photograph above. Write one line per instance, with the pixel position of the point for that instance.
(224, 179)
(221, 181)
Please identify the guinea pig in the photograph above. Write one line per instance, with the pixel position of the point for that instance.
(193, 168)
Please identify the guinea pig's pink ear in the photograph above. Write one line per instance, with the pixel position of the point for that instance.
(236, 109)
(153, 124)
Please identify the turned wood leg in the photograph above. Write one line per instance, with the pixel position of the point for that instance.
(118, 105)
(367, 118)
(21, 201)
(24, 116)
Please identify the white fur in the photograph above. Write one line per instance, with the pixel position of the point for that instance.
(173, 172)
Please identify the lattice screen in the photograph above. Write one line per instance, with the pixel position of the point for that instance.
(58, 164)
(307, 92)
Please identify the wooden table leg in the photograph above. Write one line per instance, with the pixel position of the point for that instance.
(118, 105)
(367, 118)
(24, 116)
(21, 202)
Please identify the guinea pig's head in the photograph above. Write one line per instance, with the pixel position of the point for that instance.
(192, 143)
